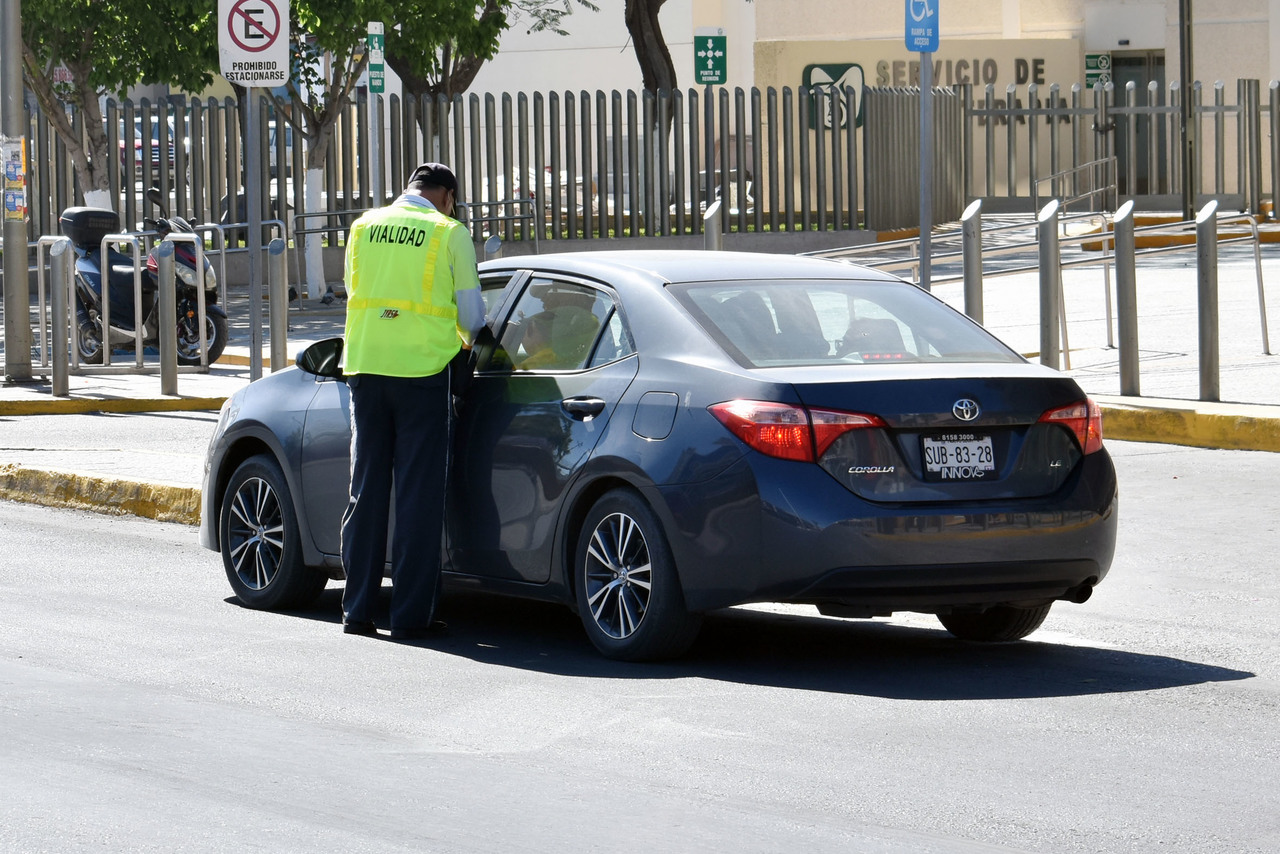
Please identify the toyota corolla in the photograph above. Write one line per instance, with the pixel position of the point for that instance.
(648, 436)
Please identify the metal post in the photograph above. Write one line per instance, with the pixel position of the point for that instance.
(1187, 75)
(1050, 283)
(1207, 293)
(278, 299)
(17, 294)
(253, 189)
(1127, 299)
(62, 263)
(711, 227)
(168, 309)
(926, 167)
(972, 225)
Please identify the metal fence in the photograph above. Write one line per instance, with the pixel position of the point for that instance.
(1014, 145)
(600, 164)
(892, 132)
(615, 164)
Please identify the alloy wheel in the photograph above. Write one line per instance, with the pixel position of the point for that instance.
(255, 533)
(618, 575)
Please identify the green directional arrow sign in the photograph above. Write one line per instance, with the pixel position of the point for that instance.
(709, 56)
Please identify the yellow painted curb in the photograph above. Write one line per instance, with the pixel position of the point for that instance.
(50, 488)
(1234, 428)
(81, 405)
(246, 360)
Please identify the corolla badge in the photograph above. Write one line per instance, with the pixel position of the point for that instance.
(965, 409)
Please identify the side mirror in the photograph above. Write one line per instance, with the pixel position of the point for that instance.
(322, 358)
(492, 247)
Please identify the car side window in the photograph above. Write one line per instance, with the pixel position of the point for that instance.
(615, 343)
(554, 327)
(491, 288)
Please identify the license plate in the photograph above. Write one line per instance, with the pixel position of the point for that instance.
(958, 456)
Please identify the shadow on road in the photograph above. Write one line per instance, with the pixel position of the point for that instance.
(806, 653)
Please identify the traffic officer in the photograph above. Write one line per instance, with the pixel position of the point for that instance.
(413, 300)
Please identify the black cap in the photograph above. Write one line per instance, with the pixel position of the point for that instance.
(435, 175)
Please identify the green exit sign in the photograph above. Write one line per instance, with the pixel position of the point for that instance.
(709, 56)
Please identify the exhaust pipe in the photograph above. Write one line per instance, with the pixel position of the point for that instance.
(1081, 593)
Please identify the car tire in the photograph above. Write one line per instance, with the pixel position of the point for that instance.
(259, 541)
(1001, 623)
(628, 591)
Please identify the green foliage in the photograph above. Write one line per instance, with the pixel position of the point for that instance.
(75, 51)
(438, 46)
(111, 45)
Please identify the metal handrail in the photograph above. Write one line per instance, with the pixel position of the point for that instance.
(220, 230)
(1108, 163)
(529, 217)
(299, 233)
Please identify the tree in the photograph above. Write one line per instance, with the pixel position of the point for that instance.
(99, 44)
(656, 68)
(439, 48)
(435, 46)
(327, 38)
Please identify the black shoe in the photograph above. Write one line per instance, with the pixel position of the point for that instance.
(359, 627)
(438, 628)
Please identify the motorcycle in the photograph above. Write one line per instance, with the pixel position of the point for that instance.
(86, 227)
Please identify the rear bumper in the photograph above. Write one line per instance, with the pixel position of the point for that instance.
(875, 591)
(795, 535)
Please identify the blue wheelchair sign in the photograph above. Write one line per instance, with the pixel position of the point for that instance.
(922, 26)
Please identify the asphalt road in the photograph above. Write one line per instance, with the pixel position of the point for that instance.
(143, 711)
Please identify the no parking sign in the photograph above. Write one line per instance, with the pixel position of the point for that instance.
(253, 41)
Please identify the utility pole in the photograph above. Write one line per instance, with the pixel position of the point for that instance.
(1187, 72)
(17, 296)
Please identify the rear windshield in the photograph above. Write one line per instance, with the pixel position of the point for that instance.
(775, 323)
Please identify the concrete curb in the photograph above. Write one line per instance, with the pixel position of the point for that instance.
(82, 405)
(119, 496)
(1197, 424)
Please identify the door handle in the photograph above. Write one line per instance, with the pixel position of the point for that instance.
(583, 408)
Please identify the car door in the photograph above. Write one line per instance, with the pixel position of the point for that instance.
(326, 447)
(530, 421)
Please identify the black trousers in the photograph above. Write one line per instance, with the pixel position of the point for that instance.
(399, 436)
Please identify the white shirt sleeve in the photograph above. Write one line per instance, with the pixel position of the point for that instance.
(470, 312)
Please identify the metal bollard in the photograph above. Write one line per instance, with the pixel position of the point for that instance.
(168, 311)
(1127, 299)
(278, 300)
(1050, 284)
(711, 237)
(972, 235)
(62, 264)
(1207, 299)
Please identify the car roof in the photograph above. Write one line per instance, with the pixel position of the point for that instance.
(687, 265)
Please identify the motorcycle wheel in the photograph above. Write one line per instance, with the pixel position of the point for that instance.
(215, 330)
(89, 343)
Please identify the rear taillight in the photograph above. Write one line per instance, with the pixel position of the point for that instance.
(788, 431)
(1083, 418)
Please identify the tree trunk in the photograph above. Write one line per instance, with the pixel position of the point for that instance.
(657, 69)
(90, 159)
(313, 253)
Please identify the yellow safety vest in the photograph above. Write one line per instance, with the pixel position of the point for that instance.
(402, 316)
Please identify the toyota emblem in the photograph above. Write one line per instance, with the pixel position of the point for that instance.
(965, 409)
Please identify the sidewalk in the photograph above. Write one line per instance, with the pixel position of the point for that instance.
(150, 463)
